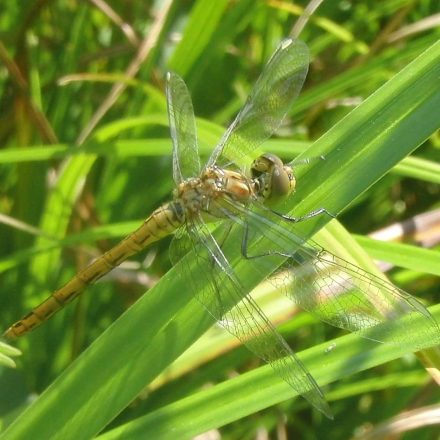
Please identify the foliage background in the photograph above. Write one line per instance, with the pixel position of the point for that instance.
(219, 48)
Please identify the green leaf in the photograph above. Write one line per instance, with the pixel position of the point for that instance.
(254, 391)
(196, 36)
(7, 352)
(403, 255)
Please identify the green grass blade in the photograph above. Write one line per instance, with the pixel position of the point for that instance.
(403, 255)
(256, 390)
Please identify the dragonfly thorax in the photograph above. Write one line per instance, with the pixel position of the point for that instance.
(197, 194)
(273, 179)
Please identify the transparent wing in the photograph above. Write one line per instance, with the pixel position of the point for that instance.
(223, 296)
(345, 296)
(271, 97)
(180, 246)
(186, 162)
(336, 291)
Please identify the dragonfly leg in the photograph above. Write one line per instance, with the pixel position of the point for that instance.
(244, 242)
(244, 248)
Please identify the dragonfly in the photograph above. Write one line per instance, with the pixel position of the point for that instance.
(223, 222)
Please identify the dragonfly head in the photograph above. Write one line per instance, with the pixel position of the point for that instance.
(273, 178)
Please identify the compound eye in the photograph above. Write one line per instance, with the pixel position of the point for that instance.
(275, 180)
(282, 182)
(264, 164)
(259, 166)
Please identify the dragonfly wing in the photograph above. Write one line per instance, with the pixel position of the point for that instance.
(271, 97)
(186, 162)
(335, 290)
(348, 297)
(224, 297)
(180, 246)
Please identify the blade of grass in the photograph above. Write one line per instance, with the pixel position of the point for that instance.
(253, 391)
(402, 255)
(197, 37)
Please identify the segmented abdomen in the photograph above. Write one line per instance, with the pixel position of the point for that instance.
(162, 222)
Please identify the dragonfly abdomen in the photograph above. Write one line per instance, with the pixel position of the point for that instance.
(163, 221)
